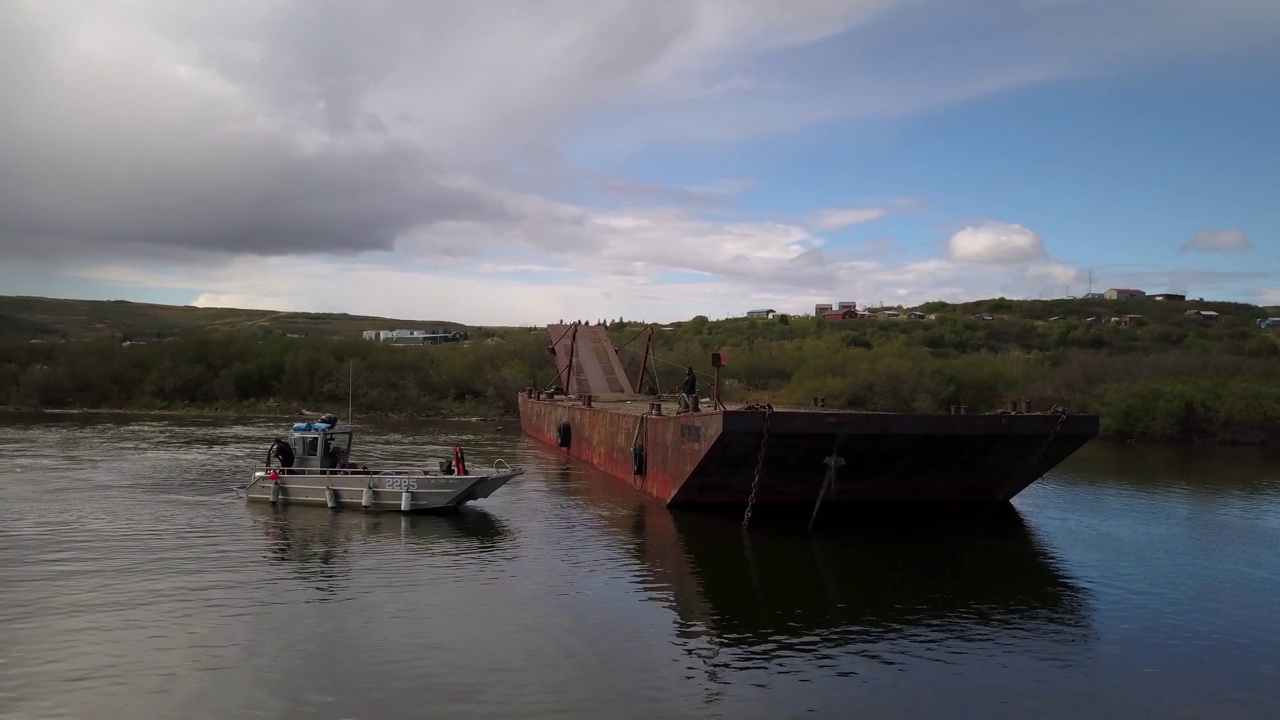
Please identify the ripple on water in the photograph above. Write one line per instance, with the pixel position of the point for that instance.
(136, 585)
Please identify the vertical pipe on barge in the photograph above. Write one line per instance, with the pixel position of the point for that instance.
(644, 361)
(717, 362)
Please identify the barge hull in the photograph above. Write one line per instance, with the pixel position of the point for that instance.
(710, 458)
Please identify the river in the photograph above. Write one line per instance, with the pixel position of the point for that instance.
(1130, 582)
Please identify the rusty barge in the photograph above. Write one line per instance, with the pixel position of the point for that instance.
(726, 455)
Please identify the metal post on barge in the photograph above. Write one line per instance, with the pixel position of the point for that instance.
(717, 362)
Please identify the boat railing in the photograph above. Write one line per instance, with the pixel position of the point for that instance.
(362, 472)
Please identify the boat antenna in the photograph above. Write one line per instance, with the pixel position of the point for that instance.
(350, 385)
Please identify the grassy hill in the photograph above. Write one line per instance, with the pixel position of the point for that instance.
(1152, 311)
(38, 318)
(1165, 376)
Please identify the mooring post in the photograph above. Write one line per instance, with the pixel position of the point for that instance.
(717, 362)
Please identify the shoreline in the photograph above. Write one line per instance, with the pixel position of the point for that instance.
(448, 415)
(250, 412)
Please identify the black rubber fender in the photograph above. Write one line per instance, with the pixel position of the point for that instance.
(637, 459)
(563, 434)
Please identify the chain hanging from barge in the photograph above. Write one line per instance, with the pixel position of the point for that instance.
(755, 483)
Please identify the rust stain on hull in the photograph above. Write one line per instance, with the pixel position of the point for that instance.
(709, 458)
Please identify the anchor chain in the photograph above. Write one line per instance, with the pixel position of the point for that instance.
(755, 483)
(1045, 445)
(1062, 417)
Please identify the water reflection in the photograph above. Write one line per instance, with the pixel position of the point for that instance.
(879, 590)
(321, 542)
(1198, 469)
(964, 581)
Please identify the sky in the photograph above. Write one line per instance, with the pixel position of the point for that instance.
(519, 163)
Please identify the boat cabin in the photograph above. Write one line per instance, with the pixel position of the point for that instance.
(315, 446)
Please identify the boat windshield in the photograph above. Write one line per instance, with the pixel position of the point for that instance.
(340, 440)
(323, 445)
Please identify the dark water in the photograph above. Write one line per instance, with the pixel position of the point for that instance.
(1130, 583)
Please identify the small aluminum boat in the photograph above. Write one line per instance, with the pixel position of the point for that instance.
(313, 467)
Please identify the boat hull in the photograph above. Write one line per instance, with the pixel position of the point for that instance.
(710, 458)
(426, 491)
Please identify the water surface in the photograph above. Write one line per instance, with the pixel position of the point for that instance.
(1130, 582)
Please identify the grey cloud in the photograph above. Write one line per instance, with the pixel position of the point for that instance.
(122, 145)
(256, 205)
(722, 194)
(1231, 240)
(300, 126)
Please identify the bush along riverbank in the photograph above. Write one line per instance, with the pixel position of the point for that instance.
(1183, 381)
(230, 373)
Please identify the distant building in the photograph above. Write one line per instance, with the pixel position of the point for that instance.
(760, 313)
(823, 308)
(916, 315)
(1126, 320)
(984, 316)
(1206, 315)
(888, 314)
(1266, 323)
(1124, 294)
(846, 314)
(1169, 296)
(414, 337)
(1093, 296)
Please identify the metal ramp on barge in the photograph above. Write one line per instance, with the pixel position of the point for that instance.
(588, 364)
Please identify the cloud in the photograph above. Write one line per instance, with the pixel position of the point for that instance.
(656, 264)
(860, 213)
(1217, 284)
(1269, 296)
(918, 55)
(720, 194)
(837, 218)
(1231, 240)
(224, 146)
(300, 127)
(996, 243)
